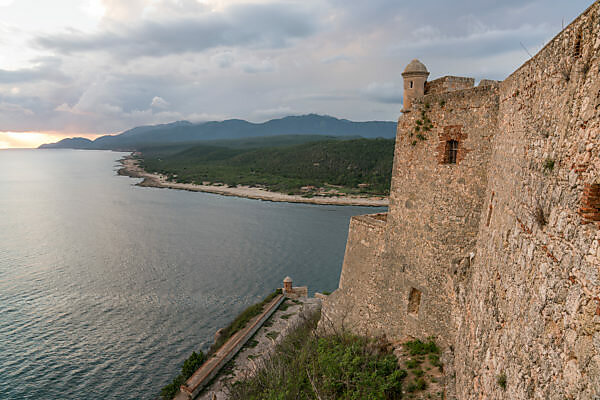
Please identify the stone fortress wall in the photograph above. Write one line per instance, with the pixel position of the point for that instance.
(491, 242)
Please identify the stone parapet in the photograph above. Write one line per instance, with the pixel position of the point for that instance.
(448, 84)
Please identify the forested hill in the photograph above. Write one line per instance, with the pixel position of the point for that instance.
(187, 132)
(351, 166)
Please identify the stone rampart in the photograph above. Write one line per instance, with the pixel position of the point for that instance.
(491, 242)
(352, 305)
(532, 306)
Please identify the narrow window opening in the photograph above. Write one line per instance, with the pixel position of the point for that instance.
(451, 151)
(411, 84)
(577, 47)
(414, 301)
(489, 217)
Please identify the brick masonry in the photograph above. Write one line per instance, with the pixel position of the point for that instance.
(498, 255)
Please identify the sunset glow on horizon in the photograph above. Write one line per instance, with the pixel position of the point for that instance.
(31, 140)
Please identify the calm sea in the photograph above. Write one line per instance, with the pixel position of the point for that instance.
(106, 287)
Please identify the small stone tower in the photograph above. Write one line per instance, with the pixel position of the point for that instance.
(415, 75)
(293, 292)
(287, 284)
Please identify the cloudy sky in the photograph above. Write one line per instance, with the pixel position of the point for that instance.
(90, 67)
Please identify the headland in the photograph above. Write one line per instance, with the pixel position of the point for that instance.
(132, 169)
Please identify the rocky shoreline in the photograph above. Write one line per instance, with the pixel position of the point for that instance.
(132, 169)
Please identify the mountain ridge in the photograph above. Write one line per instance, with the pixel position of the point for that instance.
(185, 131)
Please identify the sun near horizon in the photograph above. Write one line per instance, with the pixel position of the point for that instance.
(32, 140)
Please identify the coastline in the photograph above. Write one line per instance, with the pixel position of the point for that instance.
(132, 169)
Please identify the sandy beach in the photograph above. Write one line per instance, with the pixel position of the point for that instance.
(132, 169)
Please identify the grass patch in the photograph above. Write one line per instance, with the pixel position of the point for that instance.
(417, 385)
(307, 366)
(272, 335)
(286, 316)
(417, 347)
(187, 369)
(434, 359)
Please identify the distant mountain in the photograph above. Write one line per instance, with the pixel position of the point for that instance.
(70, 143)
(187, 132)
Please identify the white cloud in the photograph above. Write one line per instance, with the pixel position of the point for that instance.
(159, 102)
(108, 65)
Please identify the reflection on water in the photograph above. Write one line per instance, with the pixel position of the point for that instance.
(105, 287)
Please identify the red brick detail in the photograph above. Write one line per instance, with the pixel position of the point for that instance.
(524, 228)
(549, 253)
(451, 132)
(589, 210)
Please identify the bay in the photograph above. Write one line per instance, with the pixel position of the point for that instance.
(106, 287)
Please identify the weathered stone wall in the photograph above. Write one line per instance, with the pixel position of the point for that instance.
(531, 310)
(497, 254)
(448, 84)
(435, 208)
(351, 306)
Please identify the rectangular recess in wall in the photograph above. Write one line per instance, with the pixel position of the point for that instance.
(414, 301)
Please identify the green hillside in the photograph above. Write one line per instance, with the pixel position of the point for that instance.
(358, 165)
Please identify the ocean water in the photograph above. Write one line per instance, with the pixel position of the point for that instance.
(106, 287)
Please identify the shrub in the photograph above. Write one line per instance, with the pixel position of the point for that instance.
(435, 360)
(549, 164)
(417, 347)
(307, 366)
(502, 381)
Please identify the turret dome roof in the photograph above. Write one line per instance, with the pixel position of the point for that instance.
(416, 66)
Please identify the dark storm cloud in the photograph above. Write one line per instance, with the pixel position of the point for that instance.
(259, 26)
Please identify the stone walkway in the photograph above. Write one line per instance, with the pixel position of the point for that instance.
(252, 356)
(194, 385)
